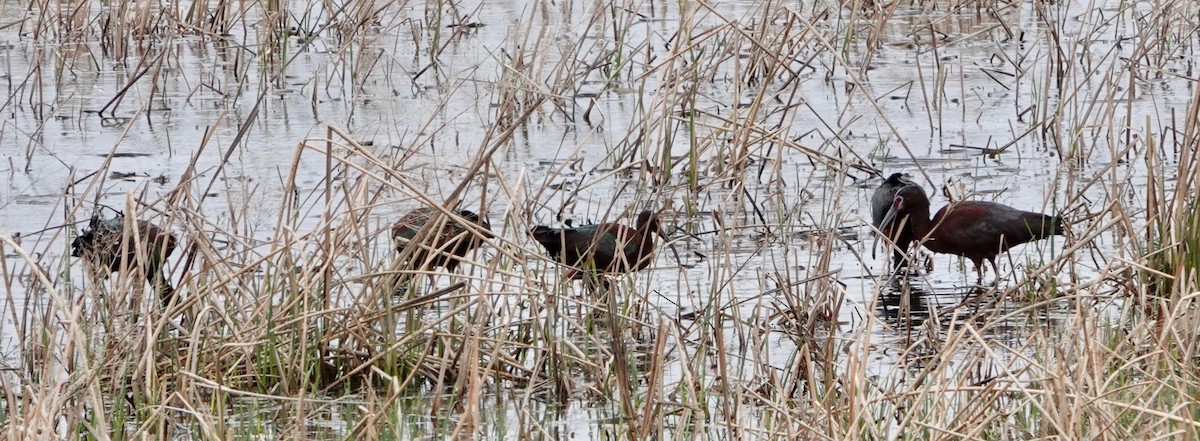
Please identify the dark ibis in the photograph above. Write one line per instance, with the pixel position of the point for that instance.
(107, 245)
(602, 248)
(447, 245)
(976, 230)
(898, 235)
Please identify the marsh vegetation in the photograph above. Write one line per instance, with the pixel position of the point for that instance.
(279, 141)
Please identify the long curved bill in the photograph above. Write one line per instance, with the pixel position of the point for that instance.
(883, 225)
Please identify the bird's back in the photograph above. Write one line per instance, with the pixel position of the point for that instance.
(157, 236)
(410, 224)
(593, 246)
(102, 242)
(984, 229)
(451, 238)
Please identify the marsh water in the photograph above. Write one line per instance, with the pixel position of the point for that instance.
(954, 98)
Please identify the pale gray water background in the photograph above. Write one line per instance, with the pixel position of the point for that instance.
(50, 136)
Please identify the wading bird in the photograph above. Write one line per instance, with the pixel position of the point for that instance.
(602, 248)
(108, 245)
(898, 235)
(446, 246)
(973, 229)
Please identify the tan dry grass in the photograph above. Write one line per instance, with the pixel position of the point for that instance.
(309, 317)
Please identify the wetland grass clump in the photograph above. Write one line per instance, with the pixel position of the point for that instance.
(1172, 231)
(770, 325)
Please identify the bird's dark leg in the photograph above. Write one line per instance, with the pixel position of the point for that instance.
(897, 260)
(595, 283)
(158, 281)
(900, 256)
(995, 269)
(166, 292)
(404, 283)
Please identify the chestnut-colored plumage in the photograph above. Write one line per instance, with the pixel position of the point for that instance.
(973, 229)
(900, 236)
(602, 248)
(105, 244)
(452, 241)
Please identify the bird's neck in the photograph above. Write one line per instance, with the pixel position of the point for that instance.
(643, 231)
(918, 217)
(641, 236)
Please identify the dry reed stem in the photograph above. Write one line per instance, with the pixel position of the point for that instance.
(264, 315)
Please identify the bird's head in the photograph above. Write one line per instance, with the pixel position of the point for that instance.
(647, 222)
(909, 199)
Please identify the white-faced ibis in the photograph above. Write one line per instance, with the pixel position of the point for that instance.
(602, 248)
(107, 245)
(445, 246)
(973, 229)
(898, 235)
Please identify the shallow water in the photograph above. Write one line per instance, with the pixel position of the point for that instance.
(560, 163)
